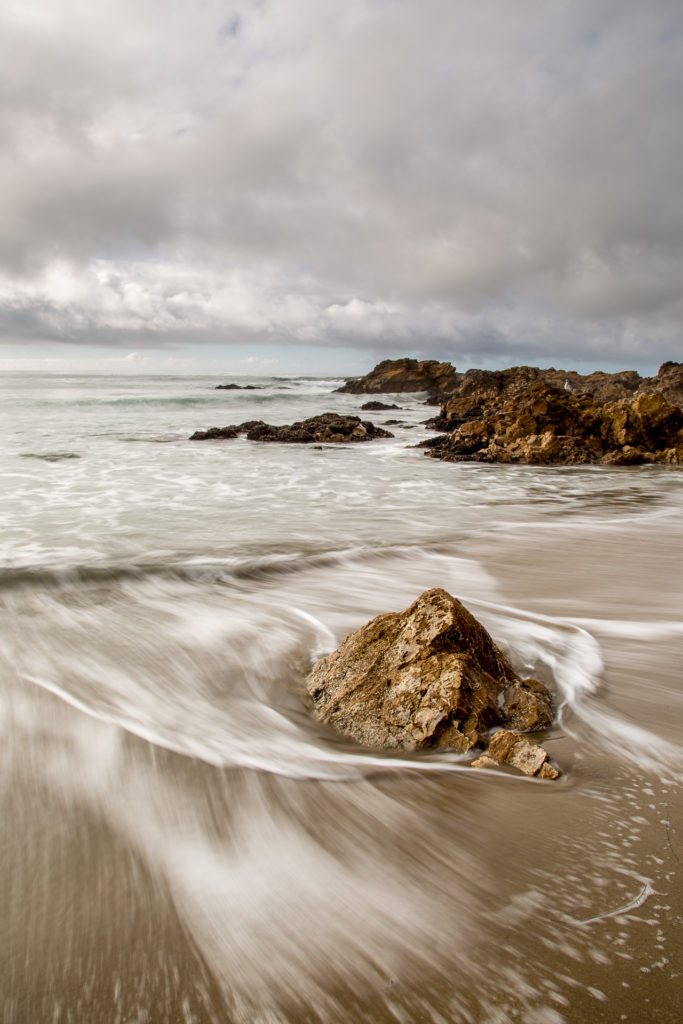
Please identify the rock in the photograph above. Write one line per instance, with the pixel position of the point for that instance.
(377, 406)
(430, 676)
(215, 433)
(668, 383)
(485, 762)
(514, 749)
(400, 375)
(481, 392)
(546, 425)
(238, 387)
(329, 427)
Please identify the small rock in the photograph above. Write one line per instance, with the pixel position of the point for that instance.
(520, 752)
(485, 762)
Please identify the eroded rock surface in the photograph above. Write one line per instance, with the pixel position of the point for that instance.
(430, 676)
(396, 376)
(545, 425)
(481, 393)
(514, 749)
(329, 428)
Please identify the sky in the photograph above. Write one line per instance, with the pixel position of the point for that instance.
(309, 186)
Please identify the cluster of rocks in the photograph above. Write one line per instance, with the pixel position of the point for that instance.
(396, 376)
(431, 677)
(542, 424)
(328, 428)
(479, 393)
(238, 387)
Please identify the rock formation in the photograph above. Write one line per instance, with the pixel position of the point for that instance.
(480, 393)
(541, 424)
(668, 382)
(238, 387)
(430, 676)
(329, 428)
(396, 376)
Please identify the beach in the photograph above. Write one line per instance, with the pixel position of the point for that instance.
(184, 842)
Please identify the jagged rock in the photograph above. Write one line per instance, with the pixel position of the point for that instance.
(668, 383)
(545, 425)
(329, 427)
(514, 749)
(377, 406)
(430, 676)
(481, 392)
(396, 376)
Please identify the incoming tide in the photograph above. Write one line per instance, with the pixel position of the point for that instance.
(182, 843)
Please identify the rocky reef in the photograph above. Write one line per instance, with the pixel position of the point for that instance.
(327, 428)
(546, 425)
(395, 376)
(429, 677)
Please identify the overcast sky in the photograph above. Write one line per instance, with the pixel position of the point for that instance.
(318, 184)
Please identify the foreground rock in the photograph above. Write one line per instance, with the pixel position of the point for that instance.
(544, 425)
(328, 428)
(395, 376)
(430, 676)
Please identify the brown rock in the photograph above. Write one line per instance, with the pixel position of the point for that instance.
(514, 749)
(429, 676)
(400, 375)
(545, 425)
(329, 428)
(485, 762)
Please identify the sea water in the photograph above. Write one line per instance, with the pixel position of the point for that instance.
(182, 842)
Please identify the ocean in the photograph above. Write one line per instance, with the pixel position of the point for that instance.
(183, 843)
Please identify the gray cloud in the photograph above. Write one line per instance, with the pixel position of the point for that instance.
(499, 179)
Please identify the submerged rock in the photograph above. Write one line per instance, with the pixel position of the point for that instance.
(329, 428)
(430, 676)
(377, 406)
(399, 375)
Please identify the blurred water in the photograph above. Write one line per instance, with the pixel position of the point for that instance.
(184, 843)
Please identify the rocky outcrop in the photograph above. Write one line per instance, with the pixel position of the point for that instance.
(238, 387)
(430, 676)
(546, 425)
(480, 393)
(668, 383)
(395, 376)
(328, 428)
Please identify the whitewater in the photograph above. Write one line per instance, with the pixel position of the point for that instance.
(182, 842)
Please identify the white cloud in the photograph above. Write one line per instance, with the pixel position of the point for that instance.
(494, 177)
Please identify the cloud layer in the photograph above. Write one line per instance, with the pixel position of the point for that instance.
(495, 179)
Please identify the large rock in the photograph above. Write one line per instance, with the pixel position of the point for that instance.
(329, 428)
(430, 676)
(483, 392)
(395, 376)
(546, 425)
